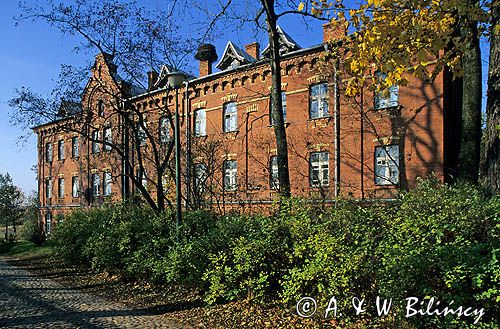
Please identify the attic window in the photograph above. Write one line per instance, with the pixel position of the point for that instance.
(234, 64)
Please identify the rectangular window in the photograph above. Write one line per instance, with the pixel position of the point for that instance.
(387, 165)
(141, 134)
(230, 175)
(164, 130)
(48, 188)
(141, 177)
(200, 177)
(318, 101)
(96, 148)
(283, 104)
(230, 117)
(60, 149)
(48, 152)
(108, 139)
(96, 185)
(273, 169)
(386, 98)
(200, 122)
(48, 224)
(60, 187)
(319, 169)
(74, 147)
(75, 186)
(107, 183)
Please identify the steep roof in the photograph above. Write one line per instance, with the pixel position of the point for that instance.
(287, 44)
(231, 54)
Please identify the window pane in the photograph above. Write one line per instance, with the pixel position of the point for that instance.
(387, 165)
(230, 117)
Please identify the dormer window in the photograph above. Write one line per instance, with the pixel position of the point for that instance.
(233, 57)
(235, 64)
(287, 44)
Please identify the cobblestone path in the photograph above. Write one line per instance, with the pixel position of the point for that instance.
(28, 301)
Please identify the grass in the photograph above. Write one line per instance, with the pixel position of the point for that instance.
(25, 249)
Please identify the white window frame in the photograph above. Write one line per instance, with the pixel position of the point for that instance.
(318, 94)
(108, 138)
(75, 149)
(106, 181)
(141, 176)
(200, 177)
(319, 169)
(48, 188)
(141, 134)
(274, 173)
(48, 152)
(200, 122)
(96, 148)
(96, 185)
(60, 187)
(230, 175)
(48, 224)
(283, 104)
(60, 149)
(230, 117)
(387, 165)
(164, 130)
(75, 186)
(388, 98)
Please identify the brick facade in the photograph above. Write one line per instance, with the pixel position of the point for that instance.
(346, 155)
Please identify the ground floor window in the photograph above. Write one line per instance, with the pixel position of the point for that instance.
(387, 165)
(48, 224)
(107, 183)
(96, 185)
(319, 169)
(230, 175)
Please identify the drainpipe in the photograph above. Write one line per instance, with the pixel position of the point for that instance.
(187, 109)
(362, 142)
(337, 130)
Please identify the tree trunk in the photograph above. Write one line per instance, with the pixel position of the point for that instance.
(470, 141)
(277, 106)
(490, 169)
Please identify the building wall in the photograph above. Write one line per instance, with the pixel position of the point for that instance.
(415, 126)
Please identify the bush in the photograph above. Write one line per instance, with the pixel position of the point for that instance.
(437, 240)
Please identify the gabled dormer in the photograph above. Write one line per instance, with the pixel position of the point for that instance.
(233, 57)
(287, 44)
(162, 79)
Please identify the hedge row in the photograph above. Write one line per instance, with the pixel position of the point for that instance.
(436, 241)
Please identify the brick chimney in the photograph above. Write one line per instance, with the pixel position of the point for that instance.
(206, 55)
(333, 31)
(152, 78)
(253, 50)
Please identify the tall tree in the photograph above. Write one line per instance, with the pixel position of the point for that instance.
(491, 160)
(423, 38)
(132, 40)
(269, 11)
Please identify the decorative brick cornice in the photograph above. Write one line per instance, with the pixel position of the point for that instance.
(318, 78)
(199, 105)
(229, 98)
(252, 108)
(386, 140)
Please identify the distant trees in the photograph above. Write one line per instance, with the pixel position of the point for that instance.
(11, 198)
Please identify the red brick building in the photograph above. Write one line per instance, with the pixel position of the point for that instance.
(364, 147)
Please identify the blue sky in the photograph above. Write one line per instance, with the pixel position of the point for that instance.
(31, 56)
